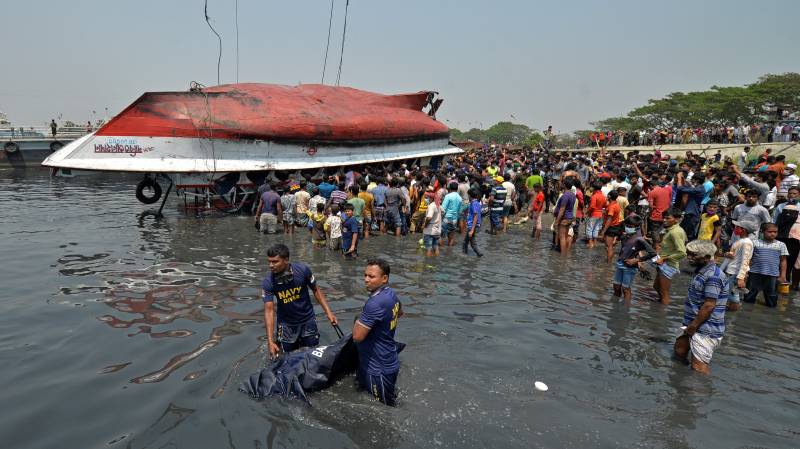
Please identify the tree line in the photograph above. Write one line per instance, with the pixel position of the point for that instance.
(769, 99)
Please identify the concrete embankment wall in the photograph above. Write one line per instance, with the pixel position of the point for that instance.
(791, 150)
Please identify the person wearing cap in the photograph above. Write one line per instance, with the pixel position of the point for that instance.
(736, 264)
(634, 249)
(497, 200)
(704, 309)
(789, 180)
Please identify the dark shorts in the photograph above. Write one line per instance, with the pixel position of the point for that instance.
(381, 386)
(296, 336)
(392, 216)
(614, 231)
(496, 216)
(654, 229)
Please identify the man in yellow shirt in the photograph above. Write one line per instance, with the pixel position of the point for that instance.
(369, 200)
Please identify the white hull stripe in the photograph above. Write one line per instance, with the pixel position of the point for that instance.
(191, 155)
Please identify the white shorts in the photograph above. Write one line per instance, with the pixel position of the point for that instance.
(701, 346)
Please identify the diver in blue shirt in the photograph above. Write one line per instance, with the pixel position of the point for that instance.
(286, 299)
(373, 332)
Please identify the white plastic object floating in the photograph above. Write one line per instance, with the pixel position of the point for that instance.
(541, 386)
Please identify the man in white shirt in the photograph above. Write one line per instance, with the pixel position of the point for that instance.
(789, 180)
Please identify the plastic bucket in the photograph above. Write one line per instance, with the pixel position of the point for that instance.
(783, 288)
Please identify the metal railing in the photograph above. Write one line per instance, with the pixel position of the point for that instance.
(42, 132)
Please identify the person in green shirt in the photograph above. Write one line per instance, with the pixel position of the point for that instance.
(358, 208)
(533, 180)
(673, 249)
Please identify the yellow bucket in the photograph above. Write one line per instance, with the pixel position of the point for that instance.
(783, 288)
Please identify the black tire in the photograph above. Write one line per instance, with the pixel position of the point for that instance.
(11, 147)
(149, 184)
(55, 146)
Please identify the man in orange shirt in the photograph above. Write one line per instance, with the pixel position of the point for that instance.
(594, 224)
(612, 224)
(778, 167)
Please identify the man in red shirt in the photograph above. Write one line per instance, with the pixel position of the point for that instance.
(535, 211)
(595, 215)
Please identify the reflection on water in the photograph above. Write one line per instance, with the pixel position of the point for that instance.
(171, 322)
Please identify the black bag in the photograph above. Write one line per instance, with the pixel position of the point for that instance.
(294, 374)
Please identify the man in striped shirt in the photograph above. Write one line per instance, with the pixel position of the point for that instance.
(704, 309)
(767, 266)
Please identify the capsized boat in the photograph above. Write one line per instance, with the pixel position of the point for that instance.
(220, 142)
(254, 127)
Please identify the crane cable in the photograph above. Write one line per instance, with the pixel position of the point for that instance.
(327, 45)
(236, 15)
(219, 58)
(344, 34)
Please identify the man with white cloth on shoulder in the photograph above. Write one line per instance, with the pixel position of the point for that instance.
(704, 309)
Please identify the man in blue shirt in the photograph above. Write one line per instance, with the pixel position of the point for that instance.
(694, 198)
(704, 309)
(379, 207)
(373, 332)
(473, 222)
(269, 212)
(451, 206)
(327, 187)
(285, 295)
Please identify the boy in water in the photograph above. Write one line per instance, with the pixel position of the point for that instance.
(318, 220)
(350, 233)
(630, 254)
(333, 226)
(535, 211)
(710, 225)
(767, 267)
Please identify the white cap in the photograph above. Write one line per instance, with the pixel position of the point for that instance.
(791, 166)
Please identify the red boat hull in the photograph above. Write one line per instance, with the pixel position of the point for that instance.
(305, 113)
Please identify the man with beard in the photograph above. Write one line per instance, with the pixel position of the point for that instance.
(704, 309)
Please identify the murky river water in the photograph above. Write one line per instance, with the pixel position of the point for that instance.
(119, 331)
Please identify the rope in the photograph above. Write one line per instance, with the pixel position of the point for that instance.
(219, 58)
(236, 13)
(344, 34)
(327, 45)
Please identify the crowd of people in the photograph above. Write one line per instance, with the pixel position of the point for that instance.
(742, 134)
(735, 221)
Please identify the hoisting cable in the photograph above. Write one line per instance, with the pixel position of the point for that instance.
(219, 58)
(327, 45)
(344, 34)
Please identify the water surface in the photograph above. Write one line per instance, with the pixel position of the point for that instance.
(122, 331)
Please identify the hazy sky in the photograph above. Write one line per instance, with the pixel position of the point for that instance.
(564, 63)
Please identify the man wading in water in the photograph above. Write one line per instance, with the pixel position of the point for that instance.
(285, 291)
(704, 309)
(373, 332)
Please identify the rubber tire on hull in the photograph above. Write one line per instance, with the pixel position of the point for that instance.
(55, 146)
(11, 147)
(148, 183)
